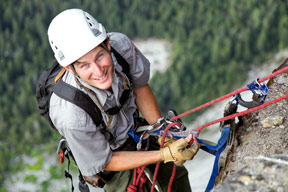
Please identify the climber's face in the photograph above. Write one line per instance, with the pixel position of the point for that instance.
(96, 67)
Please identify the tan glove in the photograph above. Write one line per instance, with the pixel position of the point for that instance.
(167, 141)
(178, 153)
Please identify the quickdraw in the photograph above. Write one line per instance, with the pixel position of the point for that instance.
(231, 94)
(63, 152)
(260, 90)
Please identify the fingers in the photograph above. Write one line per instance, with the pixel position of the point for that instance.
(189, 153)
(178, 152)
(167, 141)
(180, 162)
(188, 138)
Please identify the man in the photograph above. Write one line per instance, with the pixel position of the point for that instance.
(82, 46)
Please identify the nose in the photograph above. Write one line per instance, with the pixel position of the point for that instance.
(97, 69)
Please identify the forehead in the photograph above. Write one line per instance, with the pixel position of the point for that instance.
(90, 55)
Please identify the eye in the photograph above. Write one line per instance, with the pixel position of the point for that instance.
(100, 56)
(83, 66)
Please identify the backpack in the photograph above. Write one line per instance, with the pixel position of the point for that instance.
(49, 82)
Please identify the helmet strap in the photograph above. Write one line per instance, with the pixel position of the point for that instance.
(74, 71)
(103, 44)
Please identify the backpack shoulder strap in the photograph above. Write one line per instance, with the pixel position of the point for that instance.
(79, 98)
(44, 89)
(43, 79)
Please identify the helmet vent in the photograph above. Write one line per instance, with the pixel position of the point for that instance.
(64, 29)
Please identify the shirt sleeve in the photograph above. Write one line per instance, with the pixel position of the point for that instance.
(139, 65)
(91, 152)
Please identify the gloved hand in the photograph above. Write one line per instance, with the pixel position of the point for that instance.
(178, 153)
(167, 141)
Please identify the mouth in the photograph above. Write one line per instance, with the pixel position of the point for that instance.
(102, 77)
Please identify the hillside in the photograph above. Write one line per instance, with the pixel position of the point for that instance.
(258, 158)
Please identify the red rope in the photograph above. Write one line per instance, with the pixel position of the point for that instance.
(172, 178)
(141, 174)
(140, 171)
(243, 112)
(206, 125)
(135, 176)
(158, 164)
(137, 180)
(230, 94)
(133, 187)
(224, 118)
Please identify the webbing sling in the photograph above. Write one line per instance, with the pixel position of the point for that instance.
(215, 150)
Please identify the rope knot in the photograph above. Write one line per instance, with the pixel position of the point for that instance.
(143, 179)
(131, 188)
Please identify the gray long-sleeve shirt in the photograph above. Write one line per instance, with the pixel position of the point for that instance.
(92, 151)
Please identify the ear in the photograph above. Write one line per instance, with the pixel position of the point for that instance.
(68, 68)
(108, 43)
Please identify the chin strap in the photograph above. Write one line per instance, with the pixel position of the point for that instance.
(103, 44)
(74, 71)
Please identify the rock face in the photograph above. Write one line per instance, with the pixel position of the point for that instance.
(258, 158)
(264, 174)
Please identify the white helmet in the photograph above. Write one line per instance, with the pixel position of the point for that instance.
(72, 34)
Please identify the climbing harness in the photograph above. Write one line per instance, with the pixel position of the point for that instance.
(259, 90)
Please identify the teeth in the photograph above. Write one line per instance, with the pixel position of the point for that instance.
(100, 78)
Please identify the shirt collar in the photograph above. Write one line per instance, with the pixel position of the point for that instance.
(103, 94)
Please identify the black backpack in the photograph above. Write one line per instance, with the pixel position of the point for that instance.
(50, 82)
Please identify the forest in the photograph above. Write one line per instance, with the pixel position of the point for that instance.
(214, 44)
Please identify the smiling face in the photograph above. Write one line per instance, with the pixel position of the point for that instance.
(95, 68)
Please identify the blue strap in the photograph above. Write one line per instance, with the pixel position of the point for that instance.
(135, 137)
(215, 150)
